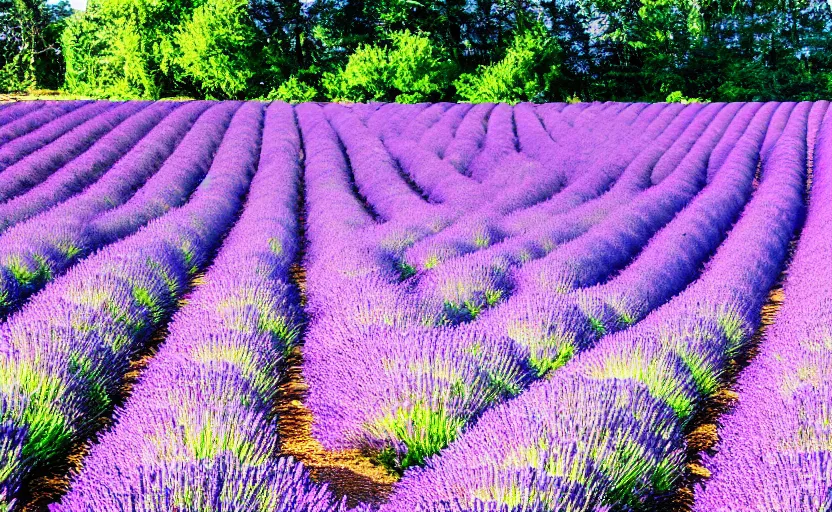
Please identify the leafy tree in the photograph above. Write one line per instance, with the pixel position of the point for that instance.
(411, 50)
(118, 48)
(294, 91)
(408, 70)
(144, 48)
(529, 71)
(29, 51)
(348, 24)
(213, 48)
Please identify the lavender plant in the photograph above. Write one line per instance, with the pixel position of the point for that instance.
(607, 430)
(774, 451)
(113, 207)
(65, 354)
(198, 431)
(74, 176)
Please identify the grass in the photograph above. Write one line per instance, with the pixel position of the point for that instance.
(39, 94)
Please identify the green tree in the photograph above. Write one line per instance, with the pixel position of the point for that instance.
(214, 48)
(29, 50)
(410, 69)
(348, 24)
(147, 48)
(411, 50)
(529, 71)
(294, 91)
(117, 48)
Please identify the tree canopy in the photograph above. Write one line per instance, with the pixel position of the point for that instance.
(29, 43)
(422, 50)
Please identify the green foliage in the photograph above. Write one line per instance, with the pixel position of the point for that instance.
(29, 34)
(144, 48)
(365, 77)
(528, 72)
(294, 91)
(422, 429)
(410, 69)
(411, 51)
(678, 97)
(213, 48)
(109, 51)
(47, 428)
(406, 270)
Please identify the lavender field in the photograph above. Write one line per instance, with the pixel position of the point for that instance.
(602, 307)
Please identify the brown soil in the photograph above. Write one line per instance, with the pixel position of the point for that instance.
(49, 486)
(703, 432)
(349, 473)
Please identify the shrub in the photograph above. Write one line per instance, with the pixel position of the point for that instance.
(410, 70)
(528, 72)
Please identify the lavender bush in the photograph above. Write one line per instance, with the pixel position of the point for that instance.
(518, 308)
(75, 175)
(607, 430)
(65, 354)
(774, 451)
(210, 388)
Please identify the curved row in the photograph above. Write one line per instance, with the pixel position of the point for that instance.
(35, 134)
(75, 175)
(36, 167)
(774, 453)
(14, 111)
(64, 355)
(23, 122)
(608, 430)
(198, 431)
(141, 187)
(411, 392)
(455, 240)
(569, 241)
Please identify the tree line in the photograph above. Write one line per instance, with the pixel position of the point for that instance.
(422, 50)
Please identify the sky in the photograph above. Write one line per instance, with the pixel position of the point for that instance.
(82, 4)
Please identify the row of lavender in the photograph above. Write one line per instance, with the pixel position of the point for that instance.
(607, 431)
(383, 378)
(197, 432)
(495, 210)
(65, 354)
(152, 172)
(419, 411)
(775, 452)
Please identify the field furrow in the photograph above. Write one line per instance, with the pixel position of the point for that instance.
(67, 352)
(773, 452)
(259, 307)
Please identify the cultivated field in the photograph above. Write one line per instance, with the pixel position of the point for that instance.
(535, 308)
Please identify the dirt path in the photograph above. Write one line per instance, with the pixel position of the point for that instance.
(704, 435)
(349, 473)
